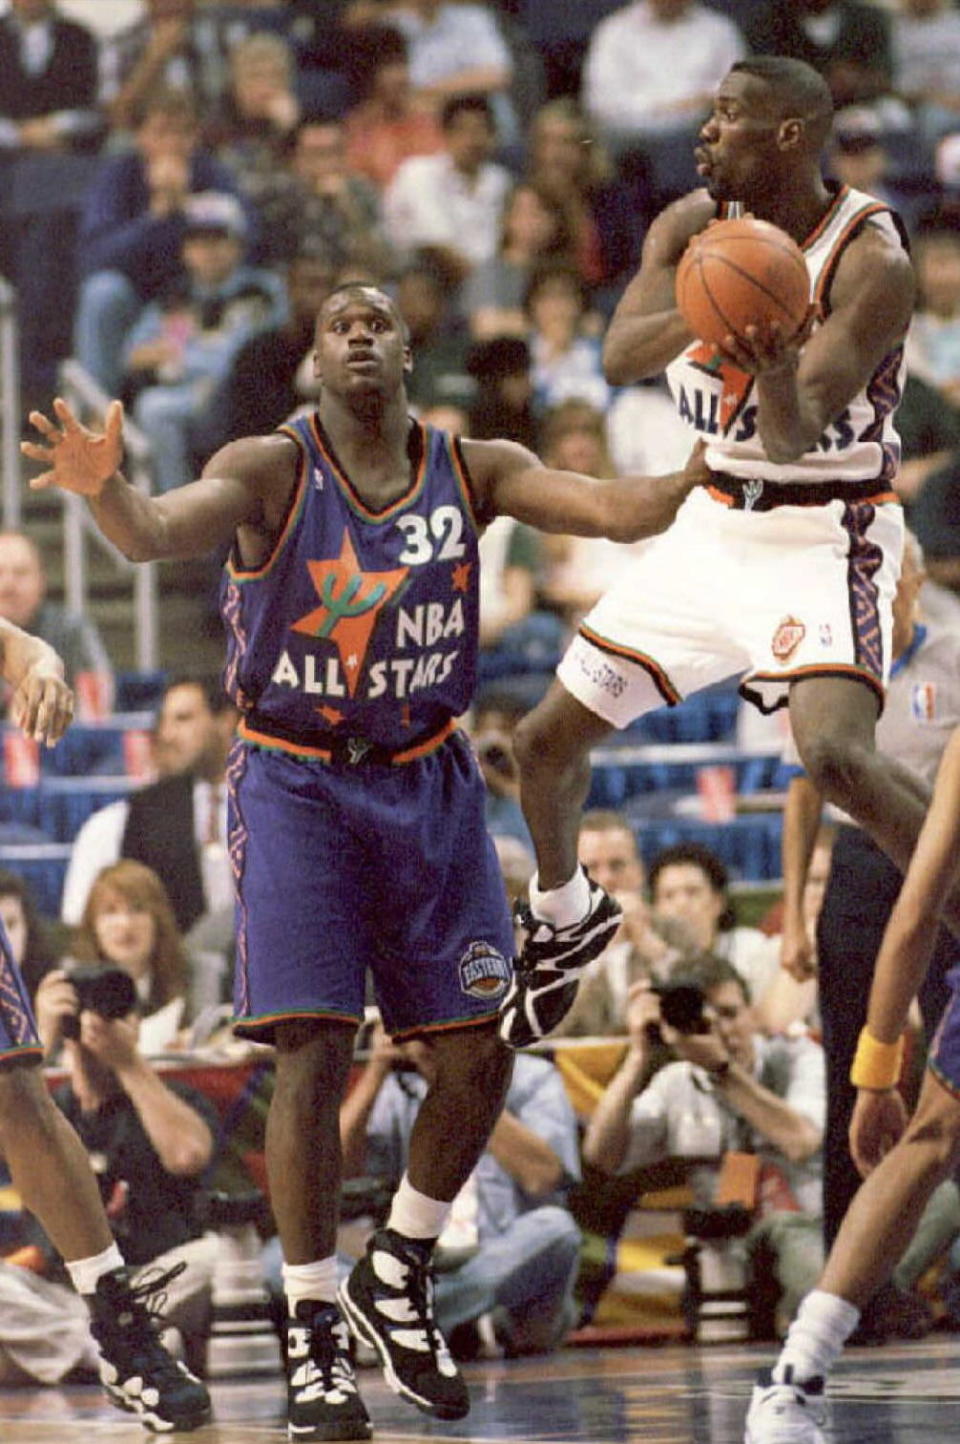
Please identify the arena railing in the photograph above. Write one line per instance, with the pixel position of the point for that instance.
(90, 401)
(10, 407)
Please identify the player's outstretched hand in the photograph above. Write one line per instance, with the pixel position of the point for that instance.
(877, 1123)
(42, 703)
(79, 459)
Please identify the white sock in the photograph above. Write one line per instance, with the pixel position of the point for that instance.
(817, 1335)
(317, 1281)
(86, 1273)
(564, 905)
(415, 1215)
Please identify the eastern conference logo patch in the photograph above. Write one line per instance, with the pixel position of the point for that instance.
(484, 972)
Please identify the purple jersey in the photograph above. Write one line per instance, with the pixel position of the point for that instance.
(360, 622)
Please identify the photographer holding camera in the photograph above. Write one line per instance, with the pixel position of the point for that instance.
(150, 1142)
(730, 1089)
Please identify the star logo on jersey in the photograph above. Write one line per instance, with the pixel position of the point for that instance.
(736, 383)
(350, 602)
(460, 576)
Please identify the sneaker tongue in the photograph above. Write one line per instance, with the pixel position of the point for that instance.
(308, 1311)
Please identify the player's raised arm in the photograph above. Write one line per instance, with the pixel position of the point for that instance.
(646, 330)
(189, 521)
(511, 480)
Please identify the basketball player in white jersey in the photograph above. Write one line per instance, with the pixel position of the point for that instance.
(783, 570)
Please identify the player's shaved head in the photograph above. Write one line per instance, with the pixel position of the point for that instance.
(794, 90)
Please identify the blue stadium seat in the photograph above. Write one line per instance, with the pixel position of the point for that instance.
(748, 846)
(42, 866)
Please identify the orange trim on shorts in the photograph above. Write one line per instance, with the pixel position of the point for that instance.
(458, 1023)
(659, 677)
(22, 1052)
(322, 754)
(270, 1020)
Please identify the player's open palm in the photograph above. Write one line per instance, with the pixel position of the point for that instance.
(78, 459)
(877, 1123)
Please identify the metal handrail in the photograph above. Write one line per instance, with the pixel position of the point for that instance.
(10, 407)
(85, 395)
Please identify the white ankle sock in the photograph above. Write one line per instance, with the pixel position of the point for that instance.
(317, 1281)
(817, 1335)
(86, 1273)
(564, 905)
(415, 1215)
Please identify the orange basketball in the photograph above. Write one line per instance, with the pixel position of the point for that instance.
(742, 272)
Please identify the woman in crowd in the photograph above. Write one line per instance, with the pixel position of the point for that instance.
(127, 923)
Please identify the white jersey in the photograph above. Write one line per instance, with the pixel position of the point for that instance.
(718, 400)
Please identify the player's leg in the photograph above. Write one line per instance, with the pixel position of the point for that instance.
(301, 949)
(570, 920)
(833, 721)
(652, 640)
(442, 960)
(52, 1175)
(388, 1297)
(787, 1404)
(303, 1168)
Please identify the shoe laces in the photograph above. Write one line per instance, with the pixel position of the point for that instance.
(419, 1290)
(138, 1309)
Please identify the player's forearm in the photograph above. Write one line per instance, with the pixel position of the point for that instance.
(643, 506)
(130, 520)
(910, 937)
(637, 346)
(788, 422)
(19, 651)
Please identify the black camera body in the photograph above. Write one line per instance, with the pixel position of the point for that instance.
(101, 989)
(681, 1005)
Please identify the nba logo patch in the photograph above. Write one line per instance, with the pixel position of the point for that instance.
(923, 701)
(484, 972)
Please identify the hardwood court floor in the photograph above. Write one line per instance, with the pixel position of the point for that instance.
(677, 1394)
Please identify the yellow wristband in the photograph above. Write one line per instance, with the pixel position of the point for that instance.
(876, 1065)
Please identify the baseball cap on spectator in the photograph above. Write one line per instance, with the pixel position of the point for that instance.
(214, 213)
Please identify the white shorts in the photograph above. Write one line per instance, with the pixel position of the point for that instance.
(772, 596)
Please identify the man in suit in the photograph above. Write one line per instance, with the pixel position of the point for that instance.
(177, 824)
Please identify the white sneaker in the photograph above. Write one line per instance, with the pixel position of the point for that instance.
(787, 1413)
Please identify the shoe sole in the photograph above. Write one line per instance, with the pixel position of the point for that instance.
(309, 1432)
(149, 1419)
(369, 1336)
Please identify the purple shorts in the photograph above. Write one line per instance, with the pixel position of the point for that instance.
(18, 1030)
(943, 1057)
(342, 869)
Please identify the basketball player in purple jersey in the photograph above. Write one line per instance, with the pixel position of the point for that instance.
(47, 1162)
(356, 821)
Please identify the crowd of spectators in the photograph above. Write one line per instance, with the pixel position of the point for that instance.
(181, 183)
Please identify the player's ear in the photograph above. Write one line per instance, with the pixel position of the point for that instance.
(790, 133)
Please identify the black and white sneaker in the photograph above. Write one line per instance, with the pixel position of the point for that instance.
(788, 1412)
(388, 1301)
(137, 1372)
(322, 1397)
(547, 973)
